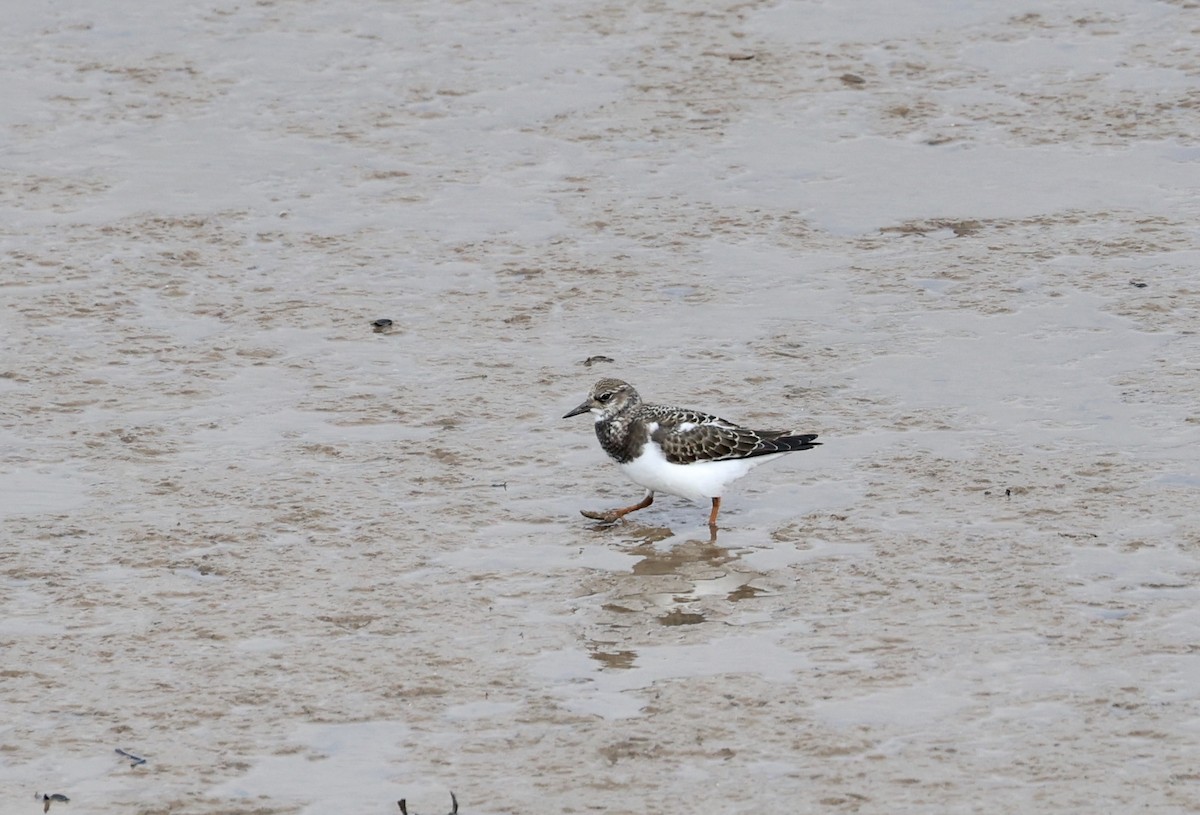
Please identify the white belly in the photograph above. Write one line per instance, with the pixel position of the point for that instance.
(698, 481)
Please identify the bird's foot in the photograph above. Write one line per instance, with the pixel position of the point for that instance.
(610, 516)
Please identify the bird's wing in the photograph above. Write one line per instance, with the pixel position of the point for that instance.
(687, 436)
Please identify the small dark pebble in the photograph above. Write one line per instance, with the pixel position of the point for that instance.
(384, 323)
(852, 79)
(590, 361)
(1138, 284)
(1008, 493)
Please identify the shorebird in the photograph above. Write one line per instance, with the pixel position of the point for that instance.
(678, 451)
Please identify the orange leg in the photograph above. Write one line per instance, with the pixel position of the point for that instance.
(613, 515)
(712, 516)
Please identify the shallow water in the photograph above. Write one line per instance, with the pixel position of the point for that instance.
(302, 565)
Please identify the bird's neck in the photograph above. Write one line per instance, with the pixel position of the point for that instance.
(619, 437)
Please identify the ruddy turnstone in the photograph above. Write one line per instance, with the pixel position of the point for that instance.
(676, 450)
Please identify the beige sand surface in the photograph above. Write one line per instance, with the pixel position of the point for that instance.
(304, 566)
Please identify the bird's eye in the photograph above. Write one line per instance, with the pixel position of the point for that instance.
(604, 397)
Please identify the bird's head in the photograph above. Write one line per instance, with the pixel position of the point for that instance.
(606, 399)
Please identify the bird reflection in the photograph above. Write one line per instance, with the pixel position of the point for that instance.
(676, 558)
(671, 575)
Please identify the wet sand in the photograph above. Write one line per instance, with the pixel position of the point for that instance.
(303, 565)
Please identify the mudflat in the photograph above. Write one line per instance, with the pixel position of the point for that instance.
(300, 560)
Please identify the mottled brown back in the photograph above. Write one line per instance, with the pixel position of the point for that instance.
(713, 438)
